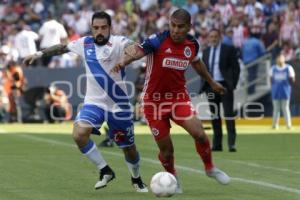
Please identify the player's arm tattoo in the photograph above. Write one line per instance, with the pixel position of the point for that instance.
(131, 53)
(130, 42)
(55, 50)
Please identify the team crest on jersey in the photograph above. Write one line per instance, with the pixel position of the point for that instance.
(119, 136)
(106, 52)
(187, 52)
(155, 131)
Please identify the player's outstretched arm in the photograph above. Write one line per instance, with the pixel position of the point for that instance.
(51, 51)
(201, 69)
(131, 53)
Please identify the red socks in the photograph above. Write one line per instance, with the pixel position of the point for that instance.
(168, 164)
(203, 149)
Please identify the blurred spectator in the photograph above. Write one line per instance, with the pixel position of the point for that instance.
(149, 26)
(14, 85)
(86, 13)
(57, 107)
(282, 75)
(252, 49)
(206, 5)
(271, 19)
(133, 29)
(5, 57)
(249, 8)
(68, 18)
(3, 100)
(271, 40)
(82, 25)
(25, 41)
(66, 60)
(217, 20)
(51, 33)
(257, 22)
(291, 8)
(192, 8)
(146, 5)
(270, 8)
(239, 33)
(179, 3)
(119, 23)
(72, 35)
(37, 6)
(225, 10)
(290, 30)
(165, 12)
(297, 54)
(202, 21)
(13, 54)
(288, 51)
(2, 10)
(227, 38)
(112, 4)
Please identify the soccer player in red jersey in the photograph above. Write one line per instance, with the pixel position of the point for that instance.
(165, 96)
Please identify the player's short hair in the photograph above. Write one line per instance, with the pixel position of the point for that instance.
(102, 15)
(182, 14)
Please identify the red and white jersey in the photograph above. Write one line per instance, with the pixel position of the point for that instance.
(166, 64)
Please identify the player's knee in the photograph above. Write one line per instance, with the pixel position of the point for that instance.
(199, 135)
(80, 135)
(197, 132)
(130, 152)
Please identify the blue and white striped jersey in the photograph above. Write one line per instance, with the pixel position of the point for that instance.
(104, 89)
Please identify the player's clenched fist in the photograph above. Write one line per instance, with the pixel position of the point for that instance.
(28, 60)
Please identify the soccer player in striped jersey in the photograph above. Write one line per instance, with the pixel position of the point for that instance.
(106, 98)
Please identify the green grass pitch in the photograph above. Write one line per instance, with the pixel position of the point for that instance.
(41, 162)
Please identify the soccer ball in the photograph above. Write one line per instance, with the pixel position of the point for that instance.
(163, 184)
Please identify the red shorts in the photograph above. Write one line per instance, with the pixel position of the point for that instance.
(159, 115)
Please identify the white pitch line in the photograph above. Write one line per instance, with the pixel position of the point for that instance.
(260, 166)
(184, 168)
(2, 131)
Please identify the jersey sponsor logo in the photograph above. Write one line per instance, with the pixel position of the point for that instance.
(187, 52)
(89, 52)
(175, 63)
(168, 50)
(155, 131)
(279, 76)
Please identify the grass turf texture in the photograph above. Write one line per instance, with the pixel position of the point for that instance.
(39, 161)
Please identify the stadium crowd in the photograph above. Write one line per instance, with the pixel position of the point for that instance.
(28, 26)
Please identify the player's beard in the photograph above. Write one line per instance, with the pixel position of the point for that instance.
(101, 40)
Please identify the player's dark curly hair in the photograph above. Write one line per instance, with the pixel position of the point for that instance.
(102, 15)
